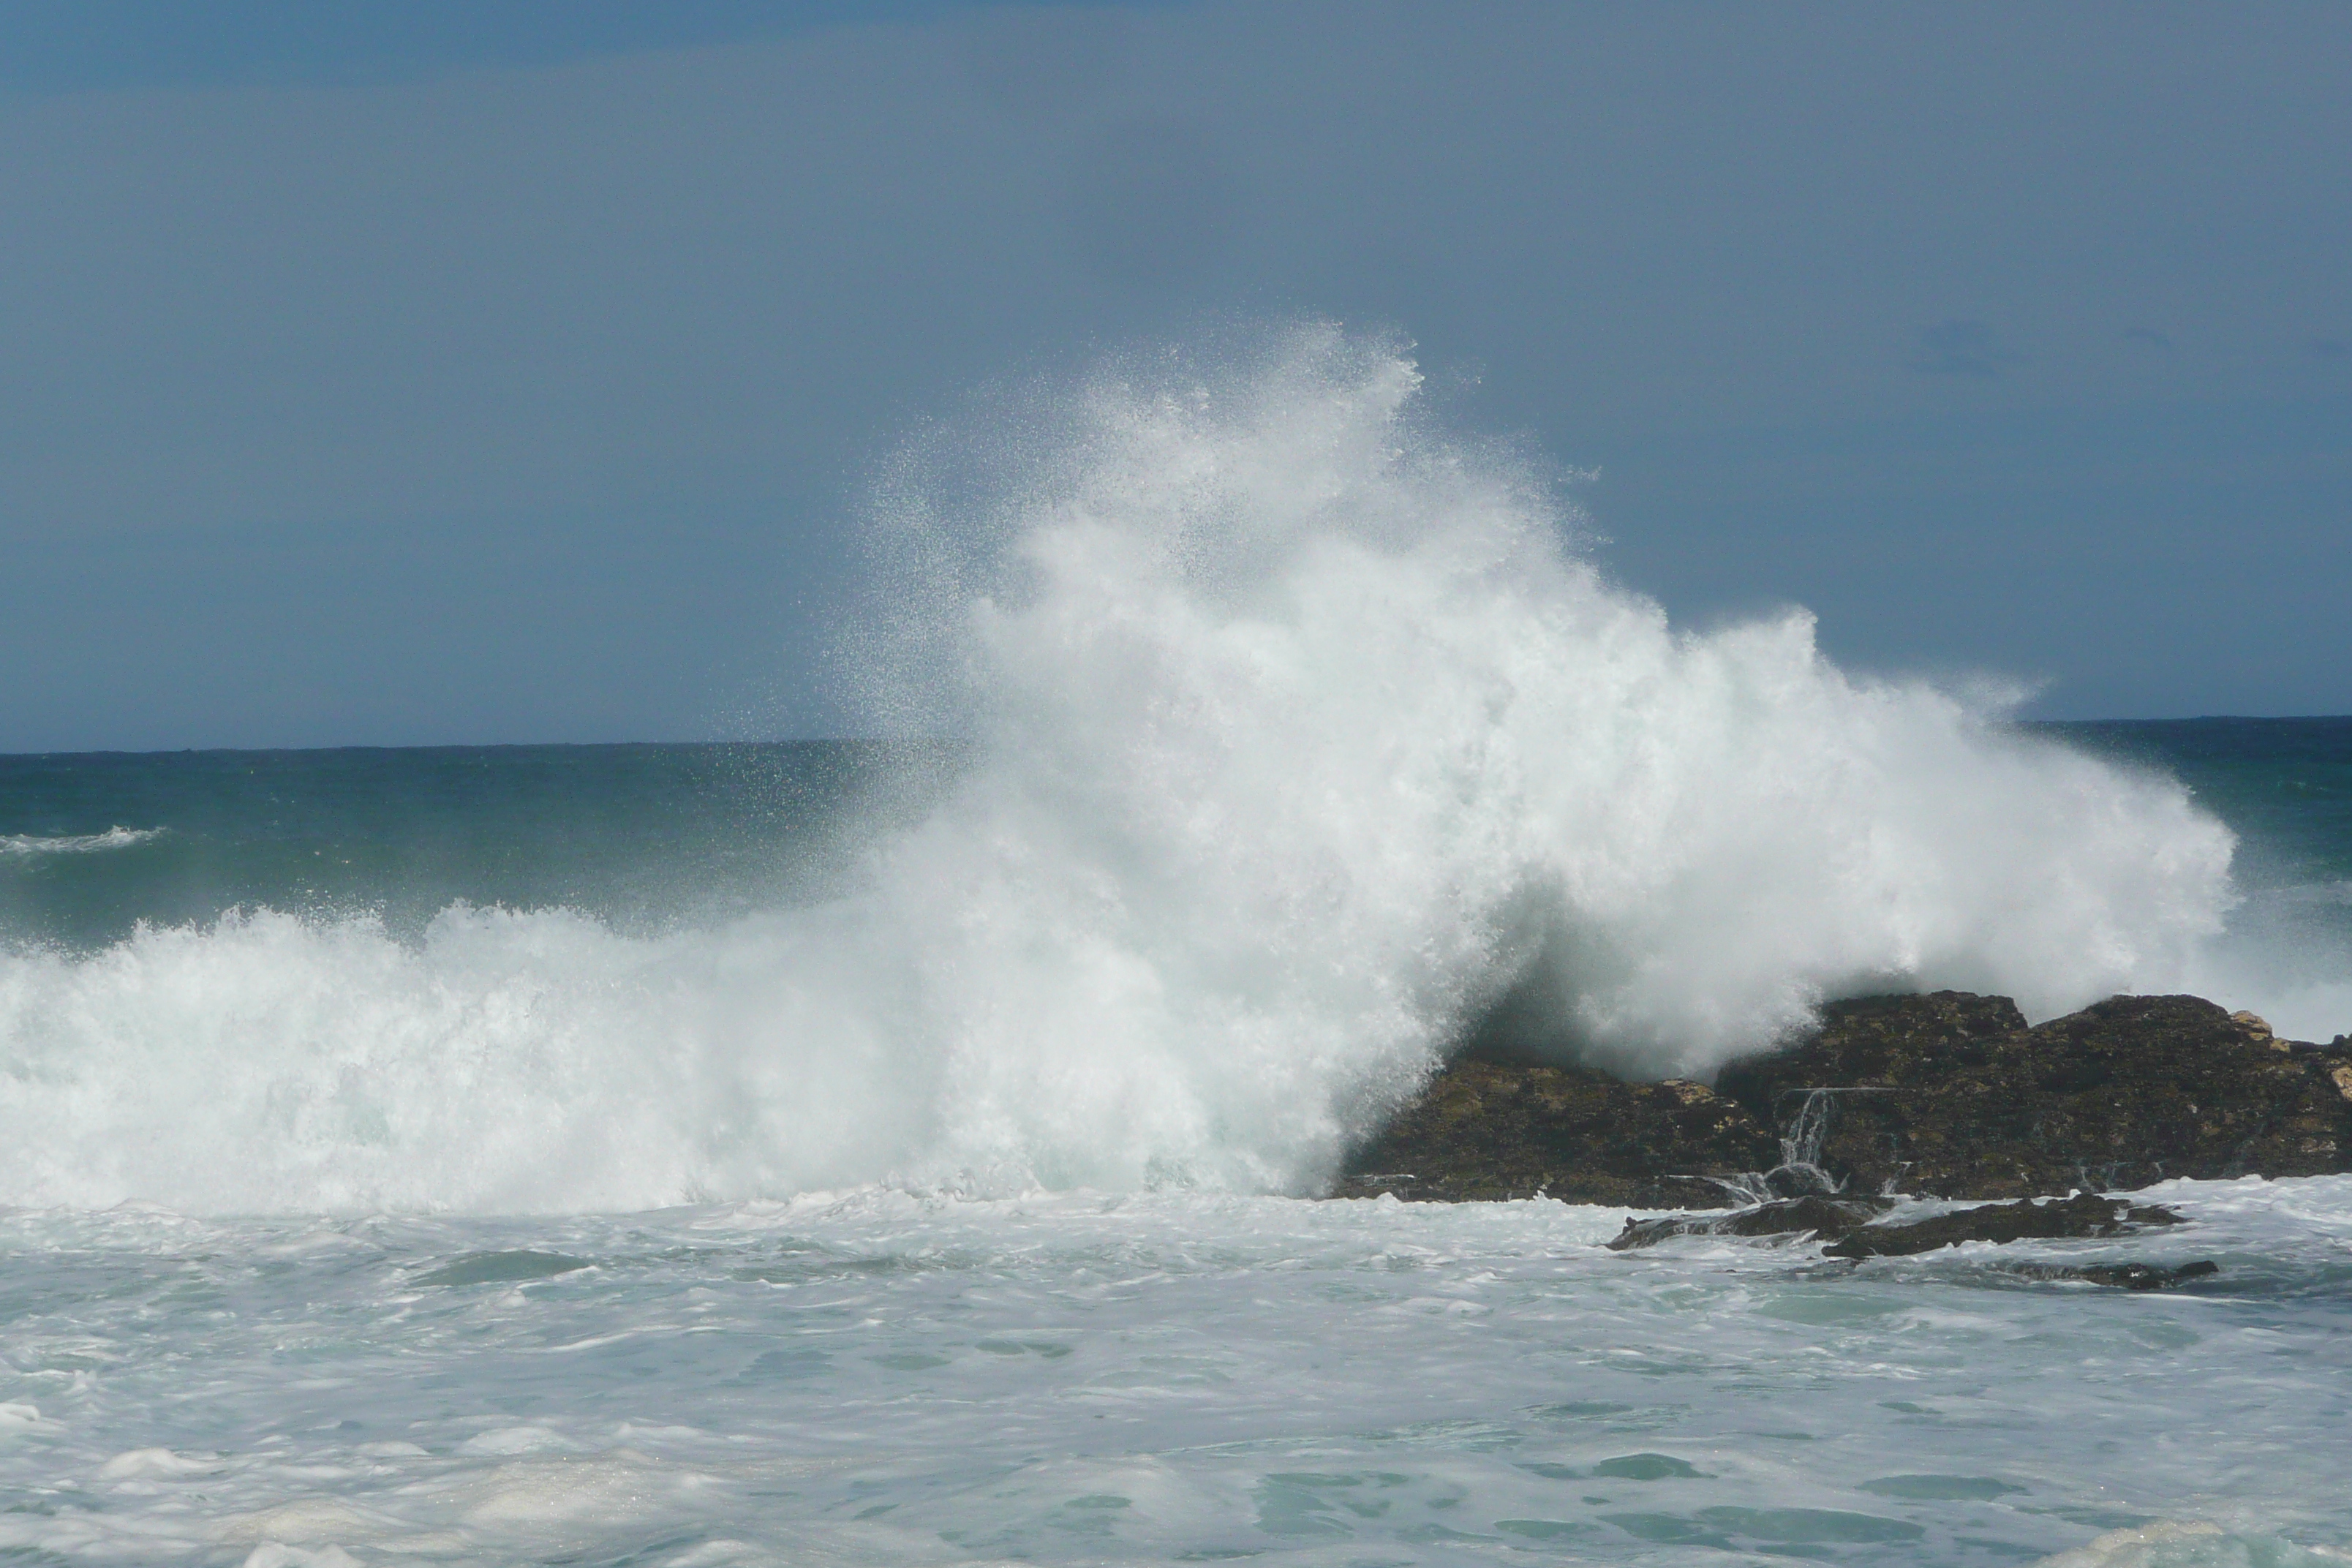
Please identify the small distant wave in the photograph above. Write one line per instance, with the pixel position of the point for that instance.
(29, 845)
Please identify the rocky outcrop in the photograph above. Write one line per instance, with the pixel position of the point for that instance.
(1952, 1095)
(1863, 1228)
(2120, 1276)
(1949, 1095)
(2051, 1219)
(1812, 1215)
(1489, 1130)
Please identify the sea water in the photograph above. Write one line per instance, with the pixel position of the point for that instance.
(906, 1151)
(890, 1377)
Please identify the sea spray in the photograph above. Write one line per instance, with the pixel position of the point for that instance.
(1311, 713)
(1300, 733)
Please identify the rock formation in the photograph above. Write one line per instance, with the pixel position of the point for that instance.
(1948, 1095)
(1951, 1095)
(1488, 1129)
(2050, 1219)
(1863, 1228)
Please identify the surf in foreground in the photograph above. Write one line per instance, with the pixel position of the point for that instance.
(1163, 1377)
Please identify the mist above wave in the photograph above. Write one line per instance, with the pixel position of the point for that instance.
(1301, 735)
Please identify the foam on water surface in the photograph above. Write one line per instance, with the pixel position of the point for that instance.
(26, 845)
(877, 1377)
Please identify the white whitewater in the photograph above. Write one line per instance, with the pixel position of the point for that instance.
(1302, 730)
(1156, 1378)
(30, 845)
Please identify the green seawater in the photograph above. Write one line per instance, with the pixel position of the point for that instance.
(642, 837)
(2284, 785)
(652, 837)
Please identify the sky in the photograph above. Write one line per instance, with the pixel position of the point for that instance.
(443, 373)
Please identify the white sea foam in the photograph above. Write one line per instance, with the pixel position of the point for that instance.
(2170, 1543)
(1302, 733)
(1160, 1378)
(28, 845)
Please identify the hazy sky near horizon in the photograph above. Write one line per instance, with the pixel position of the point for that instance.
(450, 372)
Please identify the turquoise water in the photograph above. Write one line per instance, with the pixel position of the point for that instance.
(648, 837)
(887, 1378)
(2284, 788)
(649, 834)
(2284, 784)
(641, 836)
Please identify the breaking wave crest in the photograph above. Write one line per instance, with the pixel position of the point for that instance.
(1302, 734)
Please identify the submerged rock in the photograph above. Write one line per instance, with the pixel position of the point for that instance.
(2083, 1215)
(1810, 1215)
(1487, 1129)
(2120, 1276)
(1862, 1228)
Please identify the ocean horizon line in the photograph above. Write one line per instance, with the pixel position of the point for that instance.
(917, 741)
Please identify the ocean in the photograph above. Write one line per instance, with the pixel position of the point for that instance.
(908, 1152)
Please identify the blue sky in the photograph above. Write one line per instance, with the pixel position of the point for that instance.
(441, 372)
(78, 45)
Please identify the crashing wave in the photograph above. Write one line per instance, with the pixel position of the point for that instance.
(1301, 732)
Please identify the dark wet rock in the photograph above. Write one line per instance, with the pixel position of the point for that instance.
(1878, 1041)
(2121, 1276)
(1949, 1095)
(1952, 1095)
(1810, 1215)
(1863, 1226)
(1488, 1129)
(1648, 1468)
(2083, 1215)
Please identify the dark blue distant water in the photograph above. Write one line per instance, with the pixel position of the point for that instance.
(647, 835)
(2284, 785)
(642, 836)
